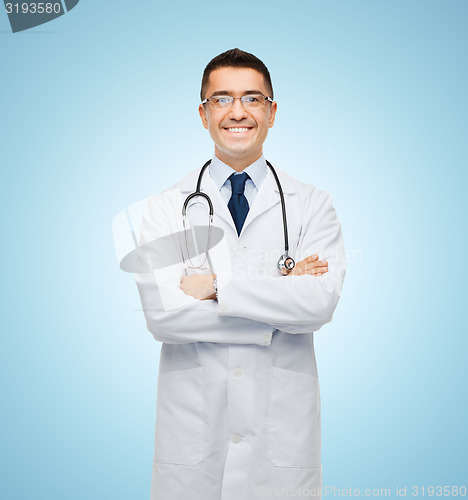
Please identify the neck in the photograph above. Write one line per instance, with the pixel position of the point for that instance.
(238, 163)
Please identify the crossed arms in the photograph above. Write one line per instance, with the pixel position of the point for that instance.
(201, 286)
(182, 309)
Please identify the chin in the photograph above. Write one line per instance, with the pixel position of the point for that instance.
(239, 152)
(238, 148)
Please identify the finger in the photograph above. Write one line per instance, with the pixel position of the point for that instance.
(309, 269)
(320, 263)
(310, 258)
(314, 265)
(318, 270)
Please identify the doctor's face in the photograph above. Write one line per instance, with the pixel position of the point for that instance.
(237, 131)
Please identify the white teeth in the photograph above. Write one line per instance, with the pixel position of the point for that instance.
(243, 129)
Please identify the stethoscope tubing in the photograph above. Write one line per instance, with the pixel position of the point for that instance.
(285, 257)
(283, 208)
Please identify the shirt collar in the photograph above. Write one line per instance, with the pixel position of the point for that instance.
(220, 172)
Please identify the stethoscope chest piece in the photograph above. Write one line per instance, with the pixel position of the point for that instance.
(285, 264)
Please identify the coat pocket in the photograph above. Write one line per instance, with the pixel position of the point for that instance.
(179, 433)
(294, 419)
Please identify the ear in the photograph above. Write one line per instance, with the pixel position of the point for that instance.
(202, 113)
(271, 120)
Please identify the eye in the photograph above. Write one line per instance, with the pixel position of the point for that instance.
(252, 99)
(222, 100)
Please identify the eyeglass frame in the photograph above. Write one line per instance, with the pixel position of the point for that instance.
(269, 99)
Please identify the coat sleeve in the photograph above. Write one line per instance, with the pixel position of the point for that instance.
(174, 317)
(294, 304)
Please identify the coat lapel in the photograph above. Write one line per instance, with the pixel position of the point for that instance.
(268, 196)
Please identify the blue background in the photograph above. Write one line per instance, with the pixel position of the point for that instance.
(99, 110)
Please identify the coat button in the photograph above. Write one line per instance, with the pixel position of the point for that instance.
(237, 372)
(236, 439)
(223, 306)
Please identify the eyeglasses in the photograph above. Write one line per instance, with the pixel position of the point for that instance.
(248, 101)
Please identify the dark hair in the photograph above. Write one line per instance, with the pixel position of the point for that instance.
(236, 58)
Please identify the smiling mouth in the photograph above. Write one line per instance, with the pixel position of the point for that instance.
(237, 130)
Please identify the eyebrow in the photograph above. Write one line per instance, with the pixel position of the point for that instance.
(230, 92)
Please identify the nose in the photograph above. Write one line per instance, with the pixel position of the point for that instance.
(237, 111)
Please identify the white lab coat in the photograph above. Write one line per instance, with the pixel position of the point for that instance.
(238, 404)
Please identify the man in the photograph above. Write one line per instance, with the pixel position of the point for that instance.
(238, 410)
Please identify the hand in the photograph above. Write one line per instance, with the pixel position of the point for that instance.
(199, 286)
(310, 265)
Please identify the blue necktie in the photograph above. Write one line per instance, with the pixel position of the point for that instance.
(238, 204)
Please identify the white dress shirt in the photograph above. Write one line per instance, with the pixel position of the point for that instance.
(220, 173)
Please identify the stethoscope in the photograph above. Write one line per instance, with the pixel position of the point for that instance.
(285, 262)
